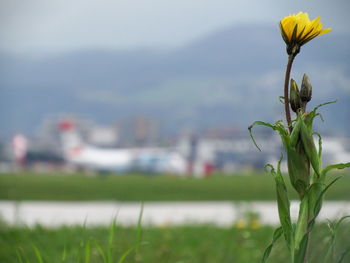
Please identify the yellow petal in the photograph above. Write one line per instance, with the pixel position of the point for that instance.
(306, 29)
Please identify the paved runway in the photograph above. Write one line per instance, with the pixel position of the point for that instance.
(53, 214)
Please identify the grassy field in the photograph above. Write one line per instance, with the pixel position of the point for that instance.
(192, 244)
(149, 188)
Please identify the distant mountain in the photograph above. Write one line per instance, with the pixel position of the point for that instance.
(230, 77)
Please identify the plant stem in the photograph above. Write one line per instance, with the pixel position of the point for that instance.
(286, 91)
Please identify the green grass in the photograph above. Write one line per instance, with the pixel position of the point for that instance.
(148, 188)
(192, 244)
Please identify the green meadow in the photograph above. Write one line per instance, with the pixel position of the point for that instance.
(166, 244)
(79, 187)
(192, 244)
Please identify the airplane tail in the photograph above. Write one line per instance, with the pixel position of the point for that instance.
(72, 143)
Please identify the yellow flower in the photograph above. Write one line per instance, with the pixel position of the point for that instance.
(255, 224)
(240, 224)
(298, 29)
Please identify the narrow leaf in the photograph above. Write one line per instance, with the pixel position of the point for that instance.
(319, 147)
(302, 223)
(276, 235)
(282, 131)
(87, 252)
(284, 207)
(19, 257)
(139, 230)
(343, 254)
(37, 254)
(318, 204)
(102, 253)
(64, 254)
(301, 250)
(340, 221)
(335, 166)
(126, 253)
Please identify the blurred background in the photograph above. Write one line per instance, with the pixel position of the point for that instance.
(189, 76)
(98, 96)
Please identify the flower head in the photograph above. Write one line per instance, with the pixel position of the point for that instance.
(298, 29)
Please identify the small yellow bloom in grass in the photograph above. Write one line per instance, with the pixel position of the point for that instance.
(255, 224)
(241, 224)
(298, 29)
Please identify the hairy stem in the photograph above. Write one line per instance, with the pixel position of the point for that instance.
(286, 91)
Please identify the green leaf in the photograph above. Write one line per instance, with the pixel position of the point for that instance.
(278, 126)
(126, 253)
(283, 204)
(87, 252)
(335, 166)
(276, 235)
(343, 254)
(281, 99)
(333, 227)
(318, 204)
(103, 255)
(302, 224)
(314, 195)
(319, 147)
(311, 115)
(139, 231)
(300, 252)
(64, 254)
(284, 207)
(323, 104)
(37, 254)
(19, 257)
(112, 231)
(340, 221)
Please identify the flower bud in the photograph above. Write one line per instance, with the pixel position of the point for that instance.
(294, 96)
(306, 89)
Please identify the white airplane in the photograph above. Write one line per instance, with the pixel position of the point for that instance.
(149, 160)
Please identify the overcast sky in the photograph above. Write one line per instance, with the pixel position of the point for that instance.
(54, 26)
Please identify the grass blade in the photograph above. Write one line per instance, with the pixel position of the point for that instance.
(64, 254)
(342, 256)
(19, 257)
(139, 231)
(37, 254)
(126, 253)
(87, 252)
(103, 255)
(112, 231)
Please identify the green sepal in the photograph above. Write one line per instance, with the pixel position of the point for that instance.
(309, 147)
(298, 169)
(295, 134)
(298, 163)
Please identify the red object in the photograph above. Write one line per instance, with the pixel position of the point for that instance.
(76, 151)
(208, 169)
(66, 125)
